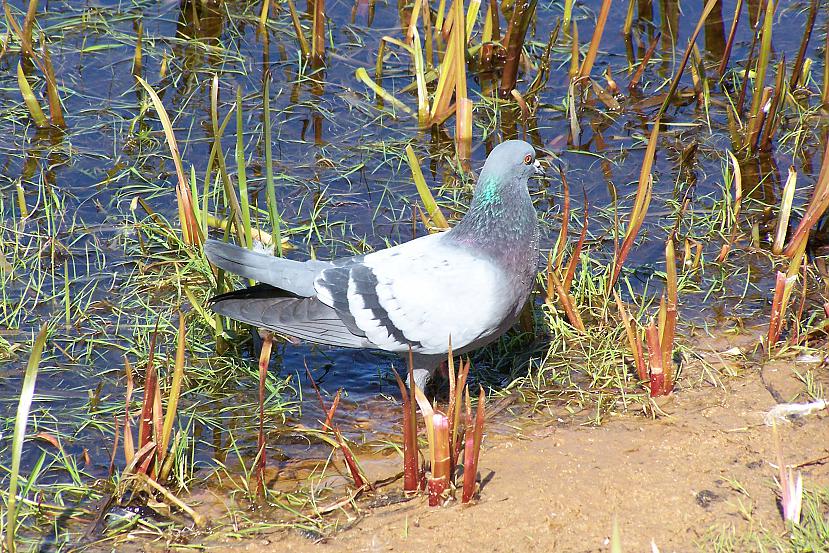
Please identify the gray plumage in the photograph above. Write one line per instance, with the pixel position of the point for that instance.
(469, 283)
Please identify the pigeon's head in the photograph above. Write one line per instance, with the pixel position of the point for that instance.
(501, 216)
(513, 159)
(507, 169)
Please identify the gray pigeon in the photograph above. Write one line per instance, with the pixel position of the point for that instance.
(469, 283)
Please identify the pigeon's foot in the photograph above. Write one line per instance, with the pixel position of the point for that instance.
(422, 377)
(425, 367)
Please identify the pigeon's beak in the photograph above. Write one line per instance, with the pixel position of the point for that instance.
(539, 170)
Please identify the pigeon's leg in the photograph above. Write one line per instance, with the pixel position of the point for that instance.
(424, 368)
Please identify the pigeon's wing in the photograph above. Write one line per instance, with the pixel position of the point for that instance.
(303, 318)
(420, 293)
(296, 277)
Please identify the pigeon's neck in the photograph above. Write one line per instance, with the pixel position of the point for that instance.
(501, 222)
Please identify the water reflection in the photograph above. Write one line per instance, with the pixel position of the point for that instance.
(715, 34)
(363, 11)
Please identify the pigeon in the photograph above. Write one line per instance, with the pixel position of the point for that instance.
(467, 285)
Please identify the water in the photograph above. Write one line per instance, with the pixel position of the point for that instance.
(343, 188)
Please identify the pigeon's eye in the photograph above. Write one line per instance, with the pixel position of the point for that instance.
(528, 159)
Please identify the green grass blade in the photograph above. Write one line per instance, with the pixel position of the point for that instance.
(273, 211)
(26, 395)
(423, 189)
(175, 391)
(240, 172)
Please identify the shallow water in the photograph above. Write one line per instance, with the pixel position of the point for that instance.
(343, 187)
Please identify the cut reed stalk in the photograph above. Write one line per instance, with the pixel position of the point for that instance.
(438, 482)
(463, 129)
(318, 31)
(514, 44)
(785, 212)
(640, 205)
(567, 303)
(593, 50)
(129, 447)
(797, 68)
(629, 18)
(575, 256)
(817, 206)
(568, 16)
(411, 471)
(217, 154)
(825, 92)
(263, 14)
(729, 44)
(26, 48)
(448, 438)
(561, 243)
(657, 375)
(435, 214)
(472, 449)
(772, 117)
(668, 330)
(29, 98)
(362, 75)
(55, 109)
(635, 343)
(737, 181)
(261, 456)
(757, 119)
(681, 69)
(761, 68)
(634, 81)
(778, 310)
(463, 111)
(574, 51)
(300, 35)
(138, 56)
(190, 228)
(420, 79)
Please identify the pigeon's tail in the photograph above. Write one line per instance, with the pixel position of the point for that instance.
(295, 277)
(282, 312)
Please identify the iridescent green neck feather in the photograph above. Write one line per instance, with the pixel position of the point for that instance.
(488, 192)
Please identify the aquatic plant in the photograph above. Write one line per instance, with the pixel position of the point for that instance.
(452, 436)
